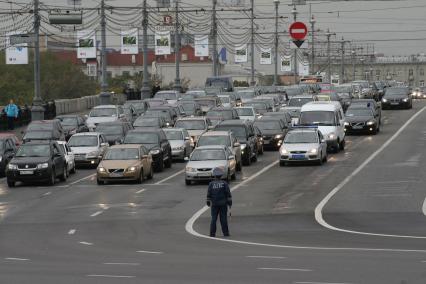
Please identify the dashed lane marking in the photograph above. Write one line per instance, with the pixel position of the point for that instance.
(266, 257)
(149, 252)
(72, 232)
(140, 191)
(122, 263)
(86, 243)
(16, 259)
(170, 177)
(97, 213)
(286, 269)
(110, 276)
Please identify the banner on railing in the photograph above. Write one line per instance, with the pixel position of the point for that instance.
(129, 42)
(162, 43)
(86, 42)
(265, 56)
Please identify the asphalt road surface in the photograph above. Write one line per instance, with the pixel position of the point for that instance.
(360, 218)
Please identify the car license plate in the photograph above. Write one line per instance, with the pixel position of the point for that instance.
(298, 157)
(266, 142)
(116, 175)
(394, 104)
(357, 127)
(26, 173)
(204, 174)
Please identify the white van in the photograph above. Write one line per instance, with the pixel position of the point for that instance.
(330, 119)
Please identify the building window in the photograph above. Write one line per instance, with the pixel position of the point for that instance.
(422, 72)
(410, 72)
(422, 83)
(125, 74)
(378, 72)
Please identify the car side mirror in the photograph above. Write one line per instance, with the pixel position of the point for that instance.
(104, 144)
(186, 159)
(187, 138)
(323, 141)
(237, 144)
(231, 158)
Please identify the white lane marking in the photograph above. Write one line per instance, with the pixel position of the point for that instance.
(72, 232)
(96, 213)
(318, 210)
(86, 243)
(285, 269)
(122, 263)
(266, 257)
(189, 227)
(170, 177)
(110, 276)
(140, 191)
(149, 252)
(47, 193)
(16, 259)
(322, 283)
(82, 179)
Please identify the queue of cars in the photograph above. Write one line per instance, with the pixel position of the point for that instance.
(205, 128)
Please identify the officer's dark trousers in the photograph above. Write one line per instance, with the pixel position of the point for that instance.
(222, 212)
(10, 123)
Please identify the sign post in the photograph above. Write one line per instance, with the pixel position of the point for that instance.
(298, 32)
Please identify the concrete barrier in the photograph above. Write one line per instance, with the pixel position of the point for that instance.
(83, 104)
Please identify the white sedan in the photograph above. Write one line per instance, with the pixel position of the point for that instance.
(69, 156)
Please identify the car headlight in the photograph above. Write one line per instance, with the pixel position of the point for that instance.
(167, 123)
(131, 169)
(405, 100)
(346, 123)
(278, 136)
(154, 152)
(370, 123)
(12, 167)
(313, 151)
(93, 154)
(243, 146)
(1, 158)
(72, 132)
(190, 170)
(101, 170)
(42, 166)
(384, 100)
(332, 136)
(283, 151)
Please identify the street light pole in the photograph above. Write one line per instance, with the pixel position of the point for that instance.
(342, 63)
(177, 85)
(277, 3)
(294, 12)
(37, 110)
(312, 21)
(252, 82)
(104, 83)
(146, 91)
(329, 34)
(353, 64)
(214, 39)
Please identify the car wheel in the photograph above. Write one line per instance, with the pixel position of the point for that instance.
(255, 157)
(260, 152)
(234, 176)
(238, 167)
(63, 176)
(100, 182)
(73, 170)
(228, 176)
(10, 183)
(342, 145)
(325, 158)
(188, 182)
(320, 161)
(247, 161)
(151, 173)
(337, 147)
(160, 166)
(141, 178)
(168, 162)
(52, 179)
(283, 164)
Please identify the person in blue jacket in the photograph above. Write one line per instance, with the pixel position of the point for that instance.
(12, 112)
(218, 199)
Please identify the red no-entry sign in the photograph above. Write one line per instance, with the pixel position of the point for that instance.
(298, 30)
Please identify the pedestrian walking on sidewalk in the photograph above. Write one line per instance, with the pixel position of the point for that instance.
(218, 199)
(12, 112)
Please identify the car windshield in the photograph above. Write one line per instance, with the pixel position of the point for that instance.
(174, 135)
(301, 137)
(396, 92)
(33, 151)
(358, 112)
(208, 155)
(68, 121)
(195, 93)
(122, 154)
(208, 103)
(225, 114)
(268, 125)
(158, 113)
(38, 135)
(246, 95)
(166, 96)
(141, 138)
(343, 89)
(225, 100)
(324, 118)
(188, 108)
(191, 124)
(217, 82)
(257, 106)
(110, 129)
(239, 131)
(103, 112)
(245, 111)
(147, 122)
(83, 141)
(155, 103)
(214, 140)
(40, 126)
(299, 102)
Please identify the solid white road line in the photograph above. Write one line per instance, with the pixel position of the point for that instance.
(96, 213)
(82, 179)
(318, 210)
(322, 283)
(47, 193)
(122, 263)
(266, 257)
(140, 191)
(170, 177)
(16, 259)
(110, 276)
(149, 252)
(72, 232)
(285, 269)
(86, 243)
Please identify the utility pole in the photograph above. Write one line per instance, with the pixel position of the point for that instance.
(104, 82)
(177, 85)
(353, 64)
(295, 68)
(342, 63)
(329, 34)
(214, 39)
(312, 22)
(277, 3)
(252, 82)
(146, 91)
(37, 110)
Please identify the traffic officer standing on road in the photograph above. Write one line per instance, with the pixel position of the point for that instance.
(219, 198)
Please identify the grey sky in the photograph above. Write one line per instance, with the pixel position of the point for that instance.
(382, 22)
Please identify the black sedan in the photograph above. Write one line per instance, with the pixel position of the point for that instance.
(361, 120)
(72, 124)
(273, 132)
(397, 97)
(38, 161)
